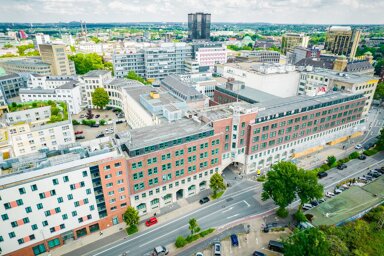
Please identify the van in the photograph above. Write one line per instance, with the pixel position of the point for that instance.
(276, 246)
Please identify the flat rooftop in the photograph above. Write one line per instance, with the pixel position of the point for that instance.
(261, 68)
(253, 95)
(151, 135)
(96, 73)
(341, 76)
(348, 204)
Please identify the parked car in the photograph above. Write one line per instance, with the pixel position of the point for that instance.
(358, 146)
(119, 122)
(204, 200)
(314, 203)
(345, 186)
(368, 177)
(82, 116)
(338, 191)
(322, 175)
(362, 178)
(276, 246)
(380, 170)
(109, 130)
(160, 251)
(329, 194)
(100, 135)
(257, 253)
(307, 207)
(234, 240)
(151, 221)
(95, 125)
(199, 254)
(78, 132)
(321, 200)
(97, 116)
(341, 166)
(272, 225)
(217, 249)
(362, 157)
(80, 137)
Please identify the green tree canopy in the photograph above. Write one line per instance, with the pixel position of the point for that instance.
(308, 242)
(193, 226)
(132, 75)
(87, 62)
(308, 187)
(331, 160)
(131, 216)
(379, 92)
(100, 97)
(216, 183)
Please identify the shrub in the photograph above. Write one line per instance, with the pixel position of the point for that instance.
(331, 160)
(370, 152)
(299, 216)
(325, 167)
(206, 232)
(261, 178)
(354, 155)
(282, 212)
(102, 122)
(192, 238)
(132, 229)
(75, 122)
(180, 242)
(88, 122)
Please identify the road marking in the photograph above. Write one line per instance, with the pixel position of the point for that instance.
(233, 216)
(246, 203)
(227, 210)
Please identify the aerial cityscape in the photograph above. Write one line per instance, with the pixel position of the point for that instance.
(191, 128)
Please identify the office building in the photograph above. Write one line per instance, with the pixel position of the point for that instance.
(168, 166)
(41, 38)
(342, 40)
(59, 196)
(11, 84)
(153, 63)
(291, 40)
(298, 53)
(32, 129)
(55, 55)
(26, 65)
(209, 54)
(276, 79)
(262, 56)
(320, 81)
(199, 26)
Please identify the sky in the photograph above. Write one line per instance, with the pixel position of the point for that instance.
(273, 11)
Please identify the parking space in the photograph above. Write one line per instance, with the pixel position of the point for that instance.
(108, 129)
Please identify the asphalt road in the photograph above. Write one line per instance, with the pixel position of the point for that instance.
(241, 200)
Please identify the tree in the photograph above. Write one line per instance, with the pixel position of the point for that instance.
(380, 141)
(309, 242)
(180, 242)
(87, 62)
(132, 75)
(100, 97)
(331, 160)
(281, 185)
(379, 93)
(131, 216)
(89, 114)
(285, 180)
(193, 226)
(216, 183)
(308, 187)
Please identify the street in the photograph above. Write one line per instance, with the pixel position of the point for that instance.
(241, 200)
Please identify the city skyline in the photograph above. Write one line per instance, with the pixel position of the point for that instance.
(269, 11)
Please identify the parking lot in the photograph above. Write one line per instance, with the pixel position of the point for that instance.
(90, 133)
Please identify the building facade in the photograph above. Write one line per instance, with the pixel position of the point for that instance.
(209, 54)
(11, 84)
(342, 40)
(263, 56)
(28, 65)
(199, 26)
(55, 55)
(291, 40)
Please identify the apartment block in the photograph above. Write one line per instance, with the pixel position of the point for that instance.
(60, 198)
(319, 81)
(342, 40)
(209, 54)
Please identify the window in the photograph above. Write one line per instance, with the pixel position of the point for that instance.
(85, 173)
(55, 181)
(11, 235)
(74, 213)
(26, 220)
(70, 197)
(45, 223)
(34, 227)
(28, 209)
(4, 217)
(118, 164)
(39, 206)
(22, 191)
(65, 178)
(19, 202)
(33, 187)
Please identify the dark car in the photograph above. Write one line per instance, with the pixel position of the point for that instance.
(95, 125)
(314, 203)
(80, 137)
(368, 146)
(204, 200)
(119, 122)
(97, 116)
(100, 135)
(234, 240)
(322, 175)
(276, 246)
(380, 170)
(362, 157)
(341, 166)
(368, 177)
(257, 253)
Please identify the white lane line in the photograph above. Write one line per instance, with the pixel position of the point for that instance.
(167, 224)
(248, 205)
(233, 216)
(227, 210)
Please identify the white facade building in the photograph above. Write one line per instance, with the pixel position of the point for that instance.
(275, 79)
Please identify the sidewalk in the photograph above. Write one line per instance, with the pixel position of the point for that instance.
(118, 232)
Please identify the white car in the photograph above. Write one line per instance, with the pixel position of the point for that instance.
(109, 130)
(329, 194)
(338, 191)
(358, 146)
(307, 206)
